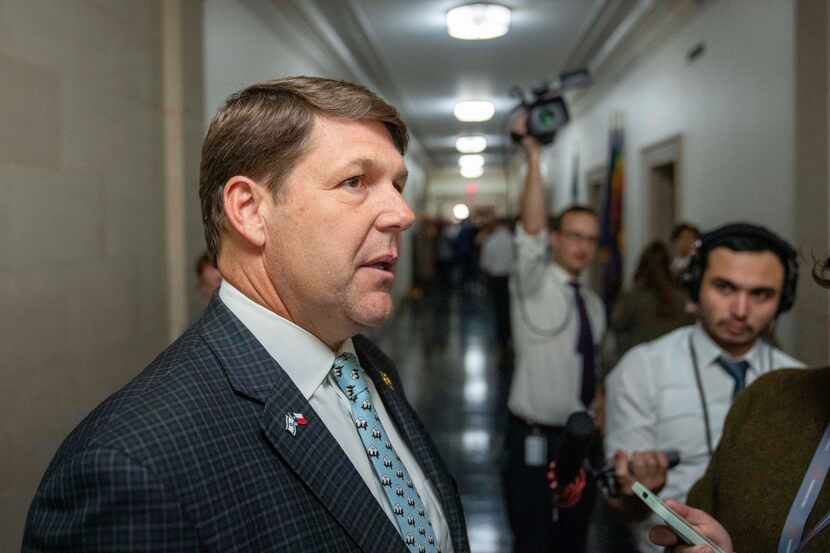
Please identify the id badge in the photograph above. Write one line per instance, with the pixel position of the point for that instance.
(536, 450)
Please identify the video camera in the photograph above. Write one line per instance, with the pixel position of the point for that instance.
(547, 110)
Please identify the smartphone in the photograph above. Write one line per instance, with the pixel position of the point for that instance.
(676, 522)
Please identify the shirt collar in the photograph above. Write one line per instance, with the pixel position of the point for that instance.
(708, 351)
(563, 276)
(303, 356)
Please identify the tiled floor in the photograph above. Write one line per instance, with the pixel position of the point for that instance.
(447, 357)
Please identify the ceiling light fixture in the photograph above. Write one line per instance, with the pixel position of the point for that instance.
(478, 21)
(460, 211)
(470, 144)
(472, 171)
(471, 160)
(474, 110)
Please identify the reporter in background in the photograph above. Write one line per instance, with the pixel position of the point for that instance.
(653, 306)
(496, 262)
(208, 276)
(674, 392)
(557, 324)
(764, 484)
(683, 239)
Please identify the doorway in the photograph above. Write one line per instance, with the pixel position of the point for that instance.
(663, 190)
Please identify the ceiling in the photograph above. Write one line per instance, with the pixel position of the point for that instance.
(401, 48)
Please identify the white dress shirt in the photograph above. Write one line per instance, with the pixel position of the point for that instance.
(653, 402)
(308, 362)
(497, 253)
(548, 376)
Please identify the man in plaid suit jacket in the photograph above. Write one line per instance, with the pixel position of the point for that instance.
(220, 445)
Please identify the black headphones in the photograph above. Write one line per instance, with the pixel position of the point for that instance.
(693, 275)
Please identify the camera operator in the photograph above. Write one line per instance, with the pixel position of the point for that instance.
(557, 324)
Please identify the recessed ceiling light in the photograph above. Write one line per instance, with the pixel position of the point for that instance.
(472, 171)
(474, 110)
(460, 211)
(470, 144)
(478, 21)
(471, 160)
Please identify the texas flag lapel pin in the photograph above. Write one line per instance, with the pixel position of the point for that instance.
(292, 421)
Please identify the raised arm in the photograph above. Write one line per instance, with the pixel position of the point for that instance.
(532, 201)
(532, 198)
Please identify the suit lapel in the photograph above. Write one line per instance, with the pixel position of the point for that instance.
(312, 453)
(374, 363)
(317, 458)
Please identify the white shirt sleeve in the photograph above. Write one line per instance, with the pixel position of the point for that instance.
(630, 408)
(531, 259)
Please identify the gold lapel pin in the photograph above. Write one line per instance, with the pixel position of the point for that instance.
(386, 379)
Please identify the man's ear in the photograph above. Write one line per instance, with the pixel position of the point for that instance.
(244, 208)
(554, 239)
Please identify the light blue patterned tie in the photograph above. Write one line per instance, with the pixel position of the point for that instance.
(415, 527)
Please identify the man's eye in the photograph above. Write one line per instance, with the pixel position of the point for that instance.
(723, 286)
(353, 182)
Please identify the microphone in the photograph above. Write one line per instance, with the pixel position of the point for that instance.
(571, 455)
(574, 447)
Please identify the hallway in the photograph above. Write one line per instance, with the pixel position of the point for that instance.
(446, 356)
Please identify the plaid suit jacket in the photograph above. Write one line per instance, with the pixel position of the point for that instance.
(193, 455)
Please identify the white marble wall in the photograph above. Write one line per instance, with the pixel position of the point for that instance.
(83, 286)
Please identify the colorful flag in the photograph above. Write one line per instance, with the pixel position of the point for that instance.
(611, 221)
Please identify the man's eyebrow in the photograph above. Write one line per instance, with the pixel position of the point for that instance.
(757, 289)
(368, 162)
(361, 162)
(724, 280)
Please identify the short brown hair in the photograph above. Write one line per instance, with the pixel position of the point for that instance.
(263, 130)
(555, 222)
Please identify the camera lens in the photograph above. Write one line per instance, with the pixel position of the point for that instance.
(645, 495)
(547, 117)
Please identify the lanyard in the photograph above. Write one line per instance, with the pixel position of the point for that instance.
(791, 535)
(707, 425)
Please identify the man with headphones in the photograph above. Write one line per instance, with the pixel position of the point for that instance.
(673, 393)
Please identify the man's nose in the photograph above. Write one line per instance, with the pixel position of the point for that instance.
(740, 305)
(396, 214)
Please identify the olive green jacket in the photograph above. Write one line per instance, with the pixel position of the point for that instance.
(769, 439)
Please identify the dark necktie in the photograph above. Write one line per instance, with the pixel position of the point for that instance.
(409, 510)
(585, 347)
(737, 370)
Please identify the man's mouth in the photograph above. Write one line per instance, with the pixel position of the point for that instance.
(384, 263)
(737, 328)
